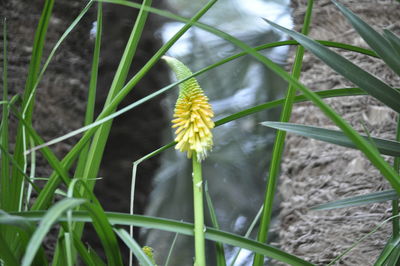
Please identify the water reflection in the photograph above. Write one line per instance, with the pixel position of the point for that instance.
(236, 169)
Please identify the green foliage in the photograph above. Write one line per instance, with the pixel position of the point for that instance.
(23, 226)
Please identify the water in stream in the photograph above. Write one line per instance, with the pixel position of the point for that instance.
(236, 169)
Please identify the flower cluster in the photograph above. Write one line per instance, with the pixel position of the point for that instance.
(192, 115)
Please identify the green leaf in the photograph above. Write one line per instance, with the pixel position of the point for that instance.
(394, 41)
(335, 260)
(387, 147)
(369, 198)
(181, 228)
(390, 252)
(34, 68)
(48, 219)
(5, 170)
(95, 257)
(24, 230)
(6, 255)
(171, 249)
(143, 259)
(374, 86)
(219, 247)
(379, 44)
(105, 233)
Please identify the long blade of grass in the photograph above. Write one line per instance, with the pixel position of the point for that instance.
(393, 259)
(51, 216)
(375, 158)
(142, 258)
(91, 100)
(89, 114)
(5, 171)
(105, 233)
(369, 198)
(388, 251)
(84, 254)
(387, 147)
(95, 153)
(20, 141)
(393, 40)
(379, 44)
(171, 249)
(100, 221)
(14, 164)
(395, 203)
(274, 167)
(219, 246)
(6, 255)
(178, 227)
(248, 232)
(374, 86)
(47, 153)
(24, 230)
(51, 55)
(96, 258)
(359, 241)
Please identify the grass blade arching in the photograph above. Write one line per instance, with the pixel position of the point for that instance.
(219, 247)
(6, 255)
(105, 233)
(142, 258)
(389, 252)
(374, 86)
(181, 228)
(387, 147)
(51, 216)
(4, 174)
(378, 43)
(34, 68)
(369, 198)
(393, 40)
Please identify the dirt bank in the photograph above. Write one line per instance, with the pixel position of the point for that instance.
(314, 172)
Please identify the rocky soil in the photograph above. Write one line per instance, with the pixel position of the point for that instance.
(315, 172)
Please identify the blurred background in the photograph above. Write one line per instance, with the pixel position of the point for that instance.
(235, 171)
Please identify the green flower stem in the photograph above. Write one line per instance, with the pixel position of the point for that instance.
(199, 228)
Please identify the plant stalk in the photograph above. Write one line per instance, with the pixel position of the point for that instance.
(199, 228)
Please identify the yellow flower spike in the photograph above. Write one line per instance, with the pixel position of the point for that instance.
(192, 115)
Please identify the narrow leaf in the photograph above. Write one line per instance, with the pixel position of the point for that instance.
(379, 44)
(374, 86)
(143, 259)
(181, 228)
(6, 255)
(4, 173)
(370, 198)
(50, 217)
(219, 247)
(387, 147)
(394, 41)
(105, 233)
(390, 251)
